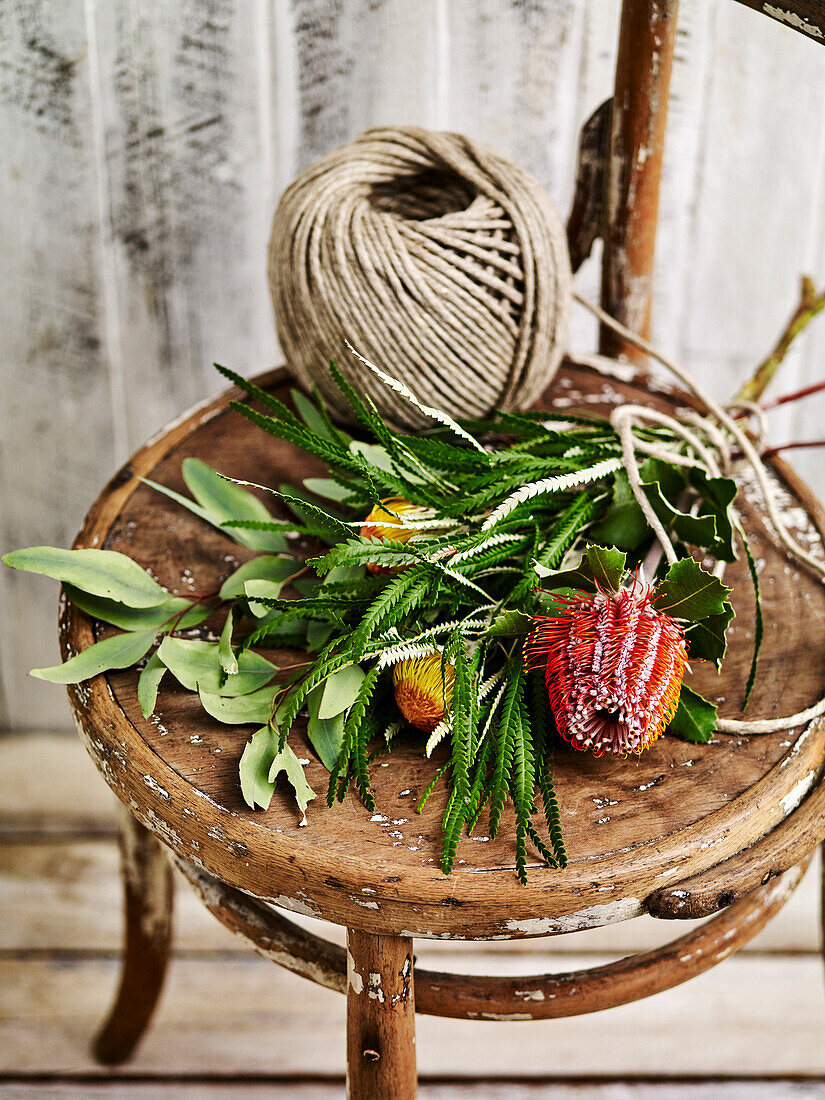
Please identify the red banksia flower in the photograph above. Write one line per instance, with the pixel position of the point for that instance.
(613, 667)
(423, 697)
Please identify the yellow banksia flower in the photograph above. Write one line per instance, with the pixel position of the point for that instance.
(423, 697)
(384, 522)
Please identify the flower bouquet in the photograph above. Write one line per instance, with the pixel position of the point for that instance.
(493, 585)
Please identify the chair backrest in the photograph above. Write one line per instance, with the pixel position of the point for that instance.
(633, 155)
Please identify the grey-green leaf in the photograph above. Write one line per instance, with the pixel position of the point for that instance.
(120, 651)
(149, 684)
(265, 567)
(256, 760)
(196, 665)
(286, 761)
(240, 709)
(340, 691)
(226, 654)
(325, 734)
(98, 572)
(138, 618)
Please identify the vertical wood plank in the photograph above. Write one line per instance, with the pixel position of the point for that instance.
(183, 110)
(56, 421)
(362, 64)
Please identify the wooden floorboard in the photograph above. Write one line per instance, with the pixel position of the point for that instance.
(239, 1016)
(485, 1090)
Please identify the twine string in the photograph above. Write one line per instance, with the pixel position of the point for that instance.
(623, 420)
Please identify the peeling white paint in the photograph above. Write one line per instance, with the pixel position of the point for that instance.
(791, 19)
(595, 916)
(797, 793)
(354, 980)
(529, 994)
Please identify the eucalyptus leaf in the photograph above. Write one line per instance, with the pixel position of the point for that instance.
(326, 487)
(325, 734)
(311, 416)
(226, 655)
(695, 718)
(196, 665)
(149, 684)
(286, 761)
(98, 572)
(265, 567)
(690, 592)
(241, 709)
(139, 618)
(256, 760)
(119, 651)
(270, 590)
(340, 691)
(318, 634)
(225, 500)
(254, 539)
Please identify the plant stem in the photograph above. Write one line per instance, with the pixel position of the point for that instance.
(810, 303)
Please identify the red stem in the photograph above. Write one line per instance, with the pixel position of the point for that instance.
(771, 451)
(806, 391)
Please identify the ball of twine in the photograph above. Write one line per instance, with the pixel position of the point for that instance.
(438, 260)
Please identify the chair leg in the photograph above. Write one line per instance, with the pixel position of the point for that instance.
(380, 1017)
(148, 886)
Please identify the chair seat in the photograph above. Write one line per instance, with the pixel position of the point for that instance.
(631, 827)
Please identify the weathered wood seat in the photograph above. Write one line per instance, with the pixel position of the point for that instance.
(681, 831)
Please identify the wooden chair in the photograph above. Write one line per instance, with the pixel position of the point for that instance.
(723, 830)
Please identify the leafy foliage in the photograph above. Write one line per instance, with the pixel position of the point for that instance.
(518, 506)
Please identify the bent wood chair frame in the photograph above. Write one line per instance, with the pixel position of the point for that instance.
(738, 885)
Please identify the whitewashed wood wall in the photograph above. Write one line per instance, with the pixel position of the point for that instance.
(143, 145)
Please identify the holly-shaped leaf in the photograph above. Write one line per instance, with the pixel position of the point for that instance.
(690, 592)
(695, 718)
(607, 565)
(707, 639)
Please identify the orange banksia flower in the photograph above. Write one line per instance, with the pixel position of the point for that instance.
(422, 695)
(613, 666)
(382, 523)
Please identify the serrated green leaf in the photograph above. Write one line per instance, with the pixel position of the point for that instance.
(149, 684)
(266, 567)
(607, 566)
(286, 761)
(718, 494)
(240, 709)
(196, 665)
(690, 592)
(138, 618)
(256, 760)
(509, 623)
(325, 734)
(695, 718)
(623, 524)
(120, 651)
(706, 639)
(99, 572)
(340, 690)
